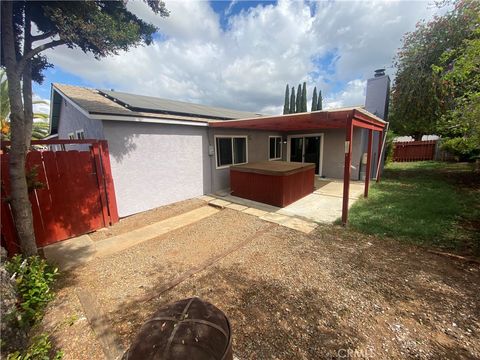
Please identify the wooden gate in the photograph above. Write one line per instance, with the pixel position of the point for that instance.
(414, 150)
(71, 192)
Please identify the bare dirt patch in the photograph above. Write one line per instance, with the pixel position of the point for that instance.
(290, 295)
(145, 218)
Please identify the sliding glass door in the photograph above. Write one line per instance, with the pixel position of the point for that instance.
(296, 150)
(306, 149)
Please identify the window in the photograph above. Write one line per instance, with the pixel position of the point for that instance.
(80, 134)
(275, 148)
(71, 136)
(231, 150)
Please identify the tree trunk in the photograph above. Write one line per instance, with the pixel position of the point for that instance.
(27, 79)
(20, 204)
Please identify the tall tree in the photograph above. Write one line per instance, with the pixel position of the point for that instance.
(298, 105)
(293, 102)
(304, 97)
(314, 99)
(320, 101)
(100, 27)
(40, 127)
(286, 103)
(459, 71)
(419, 97)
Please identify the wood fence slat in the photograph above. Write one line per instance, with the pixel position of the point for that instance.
(101, 184)
(73, 200)
(107, 176)
(407, 151)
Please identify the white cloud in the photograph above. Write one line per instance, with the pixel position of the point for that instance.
(352, 95)
(247, 65)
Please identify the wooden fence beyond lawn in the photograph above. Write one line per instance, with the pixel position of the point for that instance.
(406, 151)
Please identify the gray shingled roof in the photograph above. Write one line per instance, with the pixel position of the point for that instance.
(153, 104)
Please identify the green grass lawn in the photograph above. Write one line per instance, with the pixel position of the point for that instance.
(427, 203)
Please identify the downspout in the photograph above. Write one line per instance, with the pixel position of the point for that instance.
(380, 157)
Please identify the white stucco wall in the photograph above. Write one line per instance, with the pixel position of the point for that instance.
(156, 164)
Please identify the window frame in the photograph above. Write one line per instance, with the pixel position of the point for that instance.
(71, 136)
(81, 131)
(233, 157)
(281, 148)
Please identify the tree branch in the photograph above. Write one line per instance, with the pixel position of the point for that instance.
(42, 36)
(33, 52)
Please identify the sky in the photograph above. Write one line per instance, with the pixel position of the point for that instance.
(241, 54)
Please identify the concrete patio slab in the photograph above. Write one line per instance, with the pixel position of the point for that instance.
(290, 222)
(275, 217)
(250, 203)
(335, 188)
(317, 207)
(219, 203)
(237, 207)
(300, 225)
(324, 205)
(255, 212)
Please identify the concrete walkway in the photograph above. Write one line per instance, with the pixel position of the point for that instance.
(324, 205)
(263, 211)
(80, 250)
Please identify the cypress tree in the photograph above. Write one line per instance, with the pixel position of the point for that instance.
(286, 104)
(292, 101)
(320, 100)
(304, 97)
(299, 99)
(314, 99)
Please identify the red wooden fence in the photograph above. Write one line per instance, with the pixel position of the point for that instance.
(414, 150)
(76, 196)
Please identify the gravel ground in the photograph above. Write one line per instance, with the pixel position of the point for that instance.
(146, 218)
(288, 295)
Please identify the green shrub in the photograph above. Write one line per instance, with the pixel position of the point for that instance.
(34, 278)
(389, 146)
(464, 148)
(40, 349)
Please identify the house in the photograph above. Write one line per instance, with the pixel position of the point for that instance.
(163, 151)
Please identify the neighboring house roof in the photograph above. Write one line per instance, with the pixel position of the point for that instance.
(113, 105)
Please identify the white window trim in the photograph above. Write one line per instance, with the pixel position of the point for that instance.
(281, 148)
(230, 137)
(71, 136)
(79, 131)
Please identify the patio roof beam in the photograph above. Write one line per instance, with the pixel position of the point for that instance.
(363, 125)
(364, 118)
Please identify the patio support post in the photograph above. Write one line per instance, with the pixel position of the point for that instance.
(380, 140)
(347, 168)
(369, 162)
